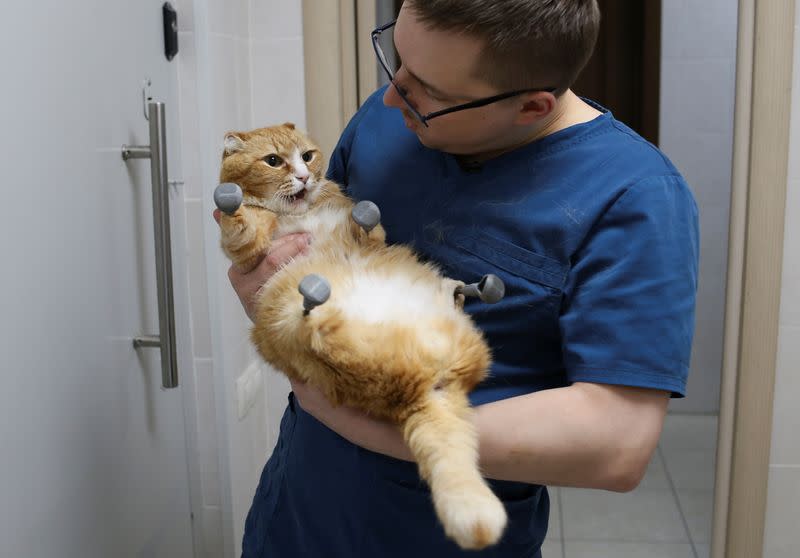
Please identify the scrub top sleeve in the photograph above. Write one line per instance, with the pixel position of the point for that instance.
(629, 304)
(337, 168)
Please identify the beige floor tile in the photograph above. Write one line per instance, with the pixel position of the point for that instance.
(694, 432)
(690, 469)
(782, 529)
(639, 516)
(656, 477)
(697, 507)
(552, 549)
(591, 549)
(554, 528)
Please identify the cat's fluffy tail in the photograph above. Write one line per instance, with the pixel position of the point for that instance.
(443, 440)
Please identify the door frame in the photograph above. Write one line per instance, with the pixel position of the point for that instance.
(765, 51)
(764, 58)
(339, 79)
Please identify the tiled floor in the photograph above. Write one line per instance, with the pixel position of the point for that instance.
(667, 516)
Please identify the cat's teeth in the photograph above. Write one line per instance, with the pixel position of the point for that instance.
(298, 196)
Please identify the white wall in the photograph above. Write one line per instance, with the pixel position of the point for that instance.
(696, 132)
(782, 537)
(240, 67)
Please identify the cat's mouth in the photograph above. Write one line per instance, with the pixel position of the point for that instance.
(297, 196)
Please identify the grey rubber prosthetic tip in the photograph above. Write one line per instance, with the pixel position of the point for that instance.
(228, 197)
(315, 290)
(366, 214)
(489, 289)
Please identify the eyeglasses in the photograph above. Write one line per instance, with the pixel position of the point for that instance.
(376, 34)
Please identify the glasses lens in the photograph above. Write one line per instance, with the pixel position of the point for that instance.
(389, 62)
(387, 56)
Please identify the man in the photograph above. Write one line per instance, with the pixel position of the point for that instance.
(484, 160)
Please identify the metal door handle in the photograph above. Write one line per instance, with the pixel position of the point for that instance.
(157, 153)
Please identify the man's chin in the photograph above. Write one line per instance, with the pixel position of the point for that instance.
(441, 146)
(437, 144)
(429, 142)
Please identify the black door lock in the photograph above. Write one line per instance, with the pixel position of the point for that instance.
(170, 31)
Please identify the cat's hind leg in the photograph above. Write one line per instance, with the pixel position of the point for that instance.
(315, 290)
(390, 372)
(442, 438)
(490, 289)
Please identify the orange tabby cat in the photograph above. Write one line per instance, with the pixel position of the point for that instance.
(391, 339)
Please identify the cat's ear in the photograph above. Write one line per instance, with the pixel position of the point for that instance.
(233, 142)
(289, 125)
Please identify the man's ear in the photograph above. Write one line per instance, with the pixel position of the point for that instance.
(535, 106)
(234, 141)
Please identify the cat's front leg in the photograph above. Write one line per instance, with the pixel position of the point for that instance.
(246, 236)
(366, 222)
(245, 231)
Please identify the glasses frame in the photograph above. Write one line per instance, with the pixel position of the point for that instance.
(424, 118)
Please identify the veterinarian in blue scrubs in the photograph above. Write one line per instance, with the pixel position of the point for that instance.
(594, 233)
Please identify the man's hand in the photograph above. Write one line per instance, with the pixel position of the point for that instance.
(281, 250)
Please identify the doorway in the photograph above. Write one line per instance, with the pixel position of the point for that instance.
(624, 73)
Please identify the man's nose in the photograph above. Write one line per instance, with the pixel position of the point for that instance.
(392, 99)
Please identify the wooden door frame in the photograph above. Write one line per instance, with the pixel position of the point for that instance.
(758, 205)
(340, 67)
(338, 80)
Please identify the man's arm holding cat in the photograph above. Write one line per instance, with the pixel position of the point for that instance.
(585, 435)
(281, 250)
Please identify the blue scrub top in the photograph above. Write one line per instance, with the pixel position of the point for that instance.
(594, 233)
(592, 229)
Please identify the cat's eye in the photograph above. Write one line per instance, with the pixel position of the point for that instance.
(273, 160)
(307, 156)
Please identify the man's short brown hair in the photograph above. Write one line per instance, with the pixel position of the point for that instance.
(527, 43)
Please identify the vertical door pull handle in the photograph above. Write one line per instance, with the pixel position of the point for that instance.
(157, 153)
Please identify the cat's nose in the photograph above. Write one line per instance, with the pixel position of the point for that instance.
(302, 177)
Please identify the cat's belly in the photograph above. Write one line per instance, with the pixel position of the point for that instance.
(320, 223)
(384, 293)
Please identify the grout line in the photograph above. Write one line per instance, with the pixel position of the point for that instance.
(643, 542)
(677, 500)
(251, 74)
(561, 523)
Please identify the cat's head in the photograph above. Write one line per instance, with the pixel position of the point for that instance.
(279, 165)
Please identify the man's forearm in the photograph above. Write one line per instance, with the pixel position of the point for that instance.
(585, 435)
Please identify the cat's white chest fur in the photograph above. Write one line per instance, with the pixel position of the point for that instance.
(320, 223)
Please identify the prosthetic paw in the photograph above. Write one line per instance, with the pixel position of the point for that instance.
(228, 197)
(367, 215)
(315, 290)
(489, 289)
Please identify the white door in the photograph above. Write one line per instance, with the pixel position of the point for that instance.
(94, 456)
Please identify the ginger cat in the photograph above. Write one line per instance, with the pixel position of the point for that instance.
(387, 334)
